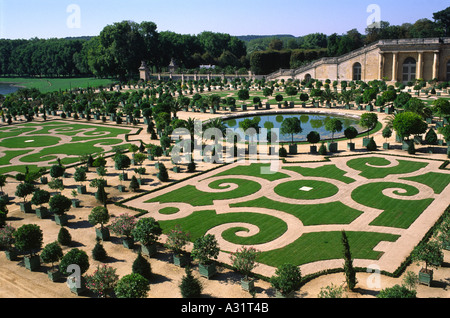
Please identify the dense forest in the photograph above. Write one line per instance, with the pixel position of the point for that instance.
(119, 49)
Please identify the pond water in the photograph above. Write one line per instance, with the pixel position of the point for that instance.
(6, 88)
(309, 122)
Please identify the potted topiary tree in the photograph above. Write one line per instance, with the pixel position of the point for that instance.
(122, 162)
(123, 225)
(368, 121)
(244, 260)
(7, 242)
(59, 205)
(102, 281)
(39, 198)
(147, 232)
(333, 125)
(431, 254)
(350, 133)
(22, 191)
(205, 249)
(313, 138)
(75, 262)
(100, 215)
(80, 176)
(291, 126)
(52, 253)
(386, 133)
(286, 280)
(176, 241)
(28, 239)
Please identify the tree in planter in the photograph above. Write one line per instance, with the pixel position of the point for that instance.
(52, 253)
(291, 126)
(100, 215)
(57, 171)
(132, 286)
(142, 266)
(39, 198)
(123, 226)
(386, 133)
(23, 190)
(28, 239)
(244, 260)
(205, 249)
(431, 254)
(286, 280)
(368, 121)
(75, 257)
(59, 205)
(351, 133)
(431, 138)
(407, 123)
(122, 162)
(7, 241)
(333, 125)
(80, 176)
(147, 231)
(190, 286)
(349, 270)
(177, 239)
(102, 281)
(313, 138)
(56, 184)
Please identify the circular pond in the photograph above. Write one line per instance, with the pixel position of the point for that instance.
(309, 122)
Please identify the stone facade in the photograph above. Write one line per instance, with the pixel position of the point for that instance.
(393, 60)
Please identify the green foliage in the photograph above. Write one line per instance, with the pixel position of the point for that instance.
(24, 189)
(103, 281)
(322, 149)
(350, 272)
(287, 279)
(123, 225)
(59, 204)
(431, 137)
(74, 257)
(142, 266)
(190, 287)
(134, 184)
(51, 253)
(244, 260)
(397, 291)
(99, 215)
(28, 238)
(64, 237)
(147, 231)
(40, 197)
(98, 252)
(429, 253)
(331, 291)
(291, 126)
(333, 125)
(371, 145)
(163, 175)
(368, 121)
(205, 248)
(132, 286)
(350, 132)
(409, 123)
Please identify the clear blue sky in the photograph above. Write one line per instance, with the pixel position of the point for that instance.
(48, 18)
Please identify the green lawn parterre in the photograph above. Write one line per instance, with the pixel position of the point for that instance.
(54, 139)
(395, 212)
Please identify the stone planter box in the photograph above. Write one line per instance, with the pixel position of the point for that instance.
(248, 284)
(44, 180)
(42, 213)
(369, 108)
(313, 149)
(81, 189)
(425, 276)
(244, 107)
(32, 263)
(278, 294)
(176, 169)
(61, 219)
(293, 149)
(406, 144)
(332, 147)
(207, 270)
(77, 289)
(366, 141)
(386, 146)
(103, 234)
(25, 207)
(11, 255)
(181, 260)
(128, 242)
(54, 275)
(5, 197)
(149, 250)
(351, 146)
(121, 188)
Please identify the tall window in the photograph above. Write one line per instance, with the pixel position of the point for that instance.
(357, 72)
(409, 70)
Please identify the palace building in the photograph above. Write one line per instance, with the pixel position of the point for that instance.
(400, 60)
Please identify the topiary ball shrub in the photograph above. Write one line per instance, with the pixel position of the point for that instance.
(132, 286)
(64, 237)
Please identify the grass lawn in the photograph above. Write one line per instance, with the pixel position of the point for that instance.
(311, 247)
(46, 85)
(255, 170)
(397, 213)
(374, 172)
(294, 189)
(189, 194)
(198, 223)
(325, 171)
(437, 181)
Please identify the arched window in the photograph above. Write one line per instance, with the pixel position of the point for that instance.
(357, 72)
(409, 70)
(448, 70)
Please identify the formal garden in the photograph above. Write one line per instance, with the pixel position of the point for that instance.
(381, 204)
